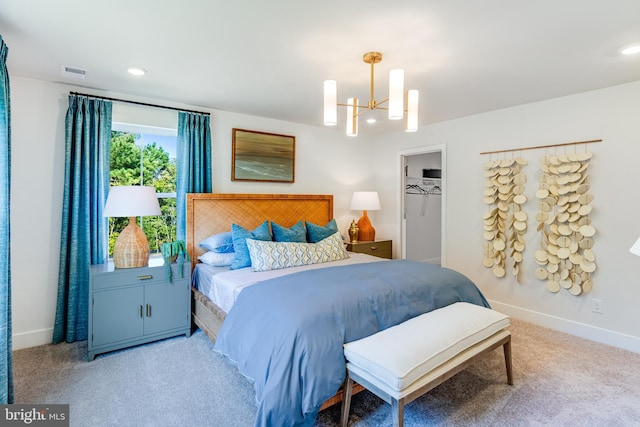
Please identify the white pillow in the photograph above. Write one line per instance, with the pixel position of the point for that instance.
(217, 259)
(267, 255)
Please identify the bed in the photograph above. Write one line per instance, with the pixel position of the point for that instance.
(208, 214)
(241, 334)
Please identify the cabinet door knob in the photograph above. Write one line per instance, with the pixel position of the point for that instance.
(140, 311)
(145, 277)
(373, 248)
(148, 310)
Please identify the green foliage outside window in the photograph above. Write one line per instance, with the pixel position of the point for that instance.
(158, 170)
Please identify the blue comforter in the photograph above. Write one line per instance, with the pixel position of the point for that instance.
(286, 334)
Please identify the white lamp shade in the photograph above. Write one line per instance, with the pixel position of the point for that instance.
(412, 111)
(365, 200)
(134, 200)
(635, 249)
(330, 103)
(396, 94)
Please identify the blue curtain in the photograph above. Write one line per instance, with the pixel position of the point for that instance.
(194, 162)
(83, 237)
(6, 361)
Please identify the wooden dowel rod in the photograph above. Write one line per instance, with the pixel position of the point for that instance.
(541, 146)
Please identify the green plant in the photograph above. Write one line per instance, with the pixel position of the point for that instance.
(171, 252)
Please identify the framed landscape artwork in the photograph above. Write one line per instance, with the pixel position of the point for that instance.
(261, 156)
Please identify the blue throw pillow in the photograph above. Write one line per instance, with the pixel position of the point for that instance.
(221, 243)
(297, 233)
(315, 233)
(240, 236)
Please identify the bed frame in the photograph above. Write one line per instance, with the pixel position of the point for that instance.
(209, 213)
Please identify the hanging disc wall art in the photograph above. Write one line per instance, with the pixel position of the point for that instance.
(565, 257)
(505, 221)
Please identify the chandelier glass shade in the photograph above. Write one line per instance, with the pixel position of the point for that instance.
(394, 104)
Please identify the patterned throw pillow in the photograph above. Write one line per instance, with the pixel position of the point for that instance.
(275, 255)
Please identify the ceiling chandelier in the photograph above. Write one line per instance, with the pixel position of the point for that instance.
(395, 104)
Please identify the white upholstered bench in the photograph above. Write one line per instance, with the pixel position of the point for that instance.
(401, 363)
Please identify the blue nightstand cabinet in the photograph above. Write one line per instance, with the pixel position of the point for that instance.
(132, 306)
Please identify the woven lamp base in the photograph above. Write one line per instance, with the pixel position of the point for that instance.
(131, 248)
(366, 232)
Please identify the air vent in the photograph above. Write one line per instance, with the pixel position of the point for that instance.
(72, 72)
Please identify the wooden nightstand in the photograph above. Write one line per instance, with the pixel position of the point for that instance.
(131, 306)
(379, 248)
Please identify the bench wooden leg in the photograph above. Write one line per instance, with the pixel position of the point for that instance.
(397, 412)
(507, 360)
(346, 400)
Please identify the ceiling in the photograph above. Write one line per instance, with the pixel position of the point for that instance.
(270, 58)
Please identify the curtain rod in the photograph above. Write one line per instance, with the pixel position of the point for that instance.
(138, 103)
(541, 146)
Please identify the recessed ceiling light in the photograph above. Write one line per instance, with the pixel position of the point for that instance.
(137, 71)
(631, 50)
(371, 120)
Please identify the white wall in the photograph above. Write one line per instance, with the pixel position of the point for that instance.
(328, 162)
(37, 168)
(609, 114)
(324, 165)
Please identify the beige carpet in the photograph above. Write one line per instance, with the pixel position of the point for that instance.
(560, 380)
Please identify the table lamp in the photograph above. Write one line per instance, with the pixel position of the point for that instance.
(364, 201)
(132, 247)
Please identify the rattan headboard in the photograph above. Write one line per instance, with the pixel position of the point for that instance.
(209, 213)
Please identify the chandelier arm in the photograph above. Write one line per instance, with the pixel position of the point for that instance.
(376, 103)
(365, 106)
(406, 110)
(349, 105)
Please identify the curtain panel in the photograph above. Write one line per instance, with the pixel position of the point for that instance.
(83, 237)
(6, 361)
(194, 163)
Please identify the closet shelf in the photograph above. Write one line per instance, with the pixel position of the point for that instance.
(420, 178)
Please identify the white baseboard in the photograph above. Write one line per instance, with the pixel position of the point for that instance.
(32, 338)
(582, 330)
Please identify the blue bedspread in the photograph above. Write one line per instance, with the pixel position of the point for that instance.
(286, 334)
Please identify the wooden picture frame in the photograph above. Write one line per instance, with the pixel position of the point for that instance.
(262, 156)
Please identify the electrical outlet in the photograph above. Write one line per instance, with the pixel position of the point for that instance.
(596, 306)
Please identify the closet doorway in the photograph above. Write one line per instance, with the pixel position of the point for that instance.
(423, 204)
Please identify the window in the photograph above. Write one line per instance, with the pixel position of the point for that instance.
(146, 158)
